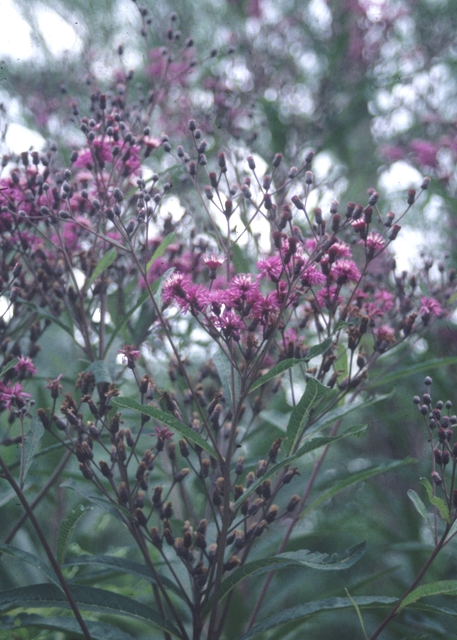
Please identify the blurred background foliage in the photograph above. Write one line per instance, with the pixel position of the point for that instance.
(371, 87)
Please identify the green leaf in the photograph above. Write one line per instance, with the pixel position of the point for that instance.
(354, 479)
(439, 503)
(359, 613)
(97, 630)
(302, 558)
(121, 513)
(29, 558)
(319, 349)
(163, 246)
(239, 260)
(426, 366)
(224, 370)
(100, 371)
(9, 366)
(88, 598)
(125, 566)
(314, 392)
(32, 439)
(302, 611)
(66, 528)
(279, 368)
(284, 365)
(165, 418)
(45, 314)
(420, 507)
(107, 260)
(443, 587)
(330, 417)
(307, 447)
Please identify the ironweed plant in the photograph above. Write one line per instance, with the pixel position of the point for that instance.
(219, 353)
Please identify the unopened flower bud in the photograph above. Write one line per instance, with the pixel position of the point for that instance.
(179, 477)
(411, 196)
(293, 503)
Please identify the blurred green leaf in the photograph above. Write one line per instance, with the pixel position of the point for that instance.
(66, 528)
(31, 559)
(32, 438)
(443, 587)
(307, 447)
(302, 558)
(314, 392)
(354, 479)
(107, 260)
(167, 419)
(163, 246)
(439, 503)
(87, 598)
(100, 371)
(97, 630)
(420, 508)
(125, 566)
(9, 366)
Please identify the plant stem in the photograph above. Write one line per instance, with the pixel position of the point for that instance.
(47, 549)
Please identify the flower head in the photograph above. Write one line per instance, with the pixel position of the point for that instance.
(129, 355)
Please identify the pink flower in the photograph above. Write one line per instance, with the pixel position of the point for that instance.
(430, 307)
(339, 250)
(174, 288)
(230, 324)
(373, 243)
(345, 271)
(311, 276)
(163, 433)
(129, 355)
(101, 151)
(54, 386)
(24, 366)
(327, 297)
(13, 396)
(270, 268)
(425, 152)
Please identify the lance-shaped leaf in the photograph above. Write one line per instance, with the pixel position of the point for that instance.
(31, 559)
(302, 558)
(439, 503)
(88, 598)
(32, 439)
(307, 447)
(9, 366)
(125, 566)
(354, 479)
(165, 418)
(428, 365)
(314, 392)
(44, 314)
(66, 528)
(121, 513)
(163, 246)
(284, 365)
(443, 587)
(420, 508)
(70, 626)
(230, 380)
(303, 611)
(107, 260)
(100, 372)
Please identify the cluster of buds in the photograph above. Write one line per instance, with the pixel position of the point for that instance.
(440, 424)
